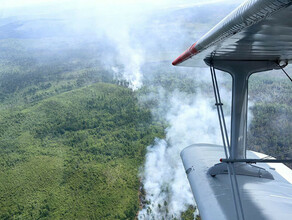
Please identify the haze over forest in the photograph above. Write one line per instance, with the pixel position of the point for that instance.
(93, 116)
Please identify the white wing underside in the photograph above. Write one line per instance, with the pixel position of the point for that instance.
(257, 30)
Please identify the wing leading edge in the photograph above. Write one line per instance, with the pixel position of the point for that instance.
(256, 30)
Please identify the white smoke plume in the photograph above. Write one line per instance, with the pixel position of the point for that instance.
(191, 120)
(131, 60)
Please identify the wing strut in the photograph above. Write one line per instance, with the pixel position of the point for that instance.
(220, 112)
(231, 170)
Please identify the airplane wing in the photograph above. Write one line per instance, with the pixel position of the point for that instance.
(261, 198)
(256, 30)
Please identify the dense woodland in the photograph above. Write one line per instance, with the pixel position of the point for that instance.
(73, 138)
(270, 129)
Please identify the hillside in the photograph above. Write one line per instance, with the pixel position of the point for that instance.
(75, 155)
(271, 108)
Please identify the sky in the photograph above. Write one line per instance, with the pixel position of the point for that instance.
(78, 3)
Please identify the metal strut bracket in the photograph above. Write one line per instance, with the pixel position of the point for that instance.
(242, 169)
(235, 161)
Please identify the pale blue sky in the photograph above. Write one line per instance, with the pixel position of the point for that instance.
(170, 3)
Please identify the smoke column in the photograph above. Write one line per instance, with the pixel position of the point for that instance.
(192, 119)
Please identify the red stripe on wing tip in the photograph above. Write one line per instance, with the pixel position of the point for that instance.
(185, 55)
